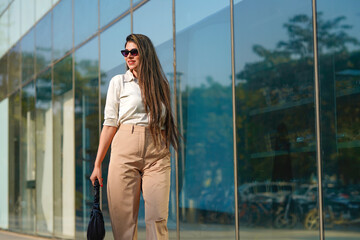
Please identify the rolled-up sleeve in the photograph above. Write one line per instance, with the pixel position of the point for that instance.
(111, 112)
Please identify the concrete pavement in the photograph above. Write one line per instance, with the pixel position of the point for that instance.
(216, 233)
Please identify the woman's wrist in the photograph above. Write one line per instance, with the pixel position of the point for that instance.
(97, 164)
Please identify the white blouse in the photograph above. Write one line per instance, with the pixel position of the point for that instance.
(124, 104)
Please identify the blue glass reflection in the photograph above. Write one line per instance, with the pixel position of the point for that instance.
(63, 76)
(28, 55)
(144, 20)
(43, 42)
(205, 116)
(109, 10)
(43, 91)
(62, 28)
(111, 43)
(136, 2)
(339, 73)
(85, 19)
(275, 116)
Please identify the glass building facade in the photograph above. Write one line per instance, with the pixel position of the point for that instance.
(266, 95)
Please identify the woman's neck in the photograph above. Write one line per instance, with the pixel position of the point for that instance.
(134, 72)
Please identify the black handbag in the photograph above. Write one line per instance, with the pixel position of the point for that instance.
(96, 227)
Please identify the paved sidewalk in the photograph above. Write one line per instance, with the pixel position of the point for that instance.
(216, 233)
(5, 235)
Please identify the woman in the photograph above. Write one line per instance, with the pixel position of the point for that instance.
(140, 127)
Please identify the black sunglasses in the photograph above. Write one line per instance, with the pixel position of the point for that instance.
(134, 52)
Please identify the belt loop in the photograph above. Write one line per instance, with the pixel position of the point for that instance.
(132, 129)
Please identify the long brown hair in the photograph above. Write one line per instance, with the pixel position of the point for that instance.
(155, 91)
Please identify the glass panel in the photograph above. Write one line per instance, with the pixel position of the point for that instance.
(86, 128)
(4, 33)
(144, 20)
(14, 22)
(3, 4)
(136, 2)
(43, 43)
(4, 163)
(14, 162)
(14, 68)
(206, 164)
(63, 150)
(3, 76)
(27, 159)
(44, 155)
(111, 43)
(109, 10)
(85, 9)
(339, 63)
(27, 15)
(275, 118)
(28, 56)
(63, 29)
(161, 36)
(189, 12)
(112, 63)
(42, 6)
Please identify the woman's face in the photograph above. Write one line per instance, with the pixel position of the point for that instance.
(132, 61)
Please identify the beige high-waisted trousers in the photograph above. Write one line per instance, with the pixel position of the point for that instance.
(137, 165)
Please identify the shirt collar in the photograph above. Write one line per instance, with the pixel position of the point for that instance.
(129, 76)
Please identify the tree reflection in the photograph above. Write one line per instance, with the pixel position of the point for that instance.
(282, 83)
(207, 133)
(3, 77)
(275, 108)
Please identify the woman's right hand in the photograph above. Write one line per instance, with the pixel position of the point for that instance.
(96, 174)
(106, 136)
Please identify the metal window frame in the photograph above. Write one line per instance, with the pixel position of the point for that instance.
(233, 87)
(317, 122)
(176, 124)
